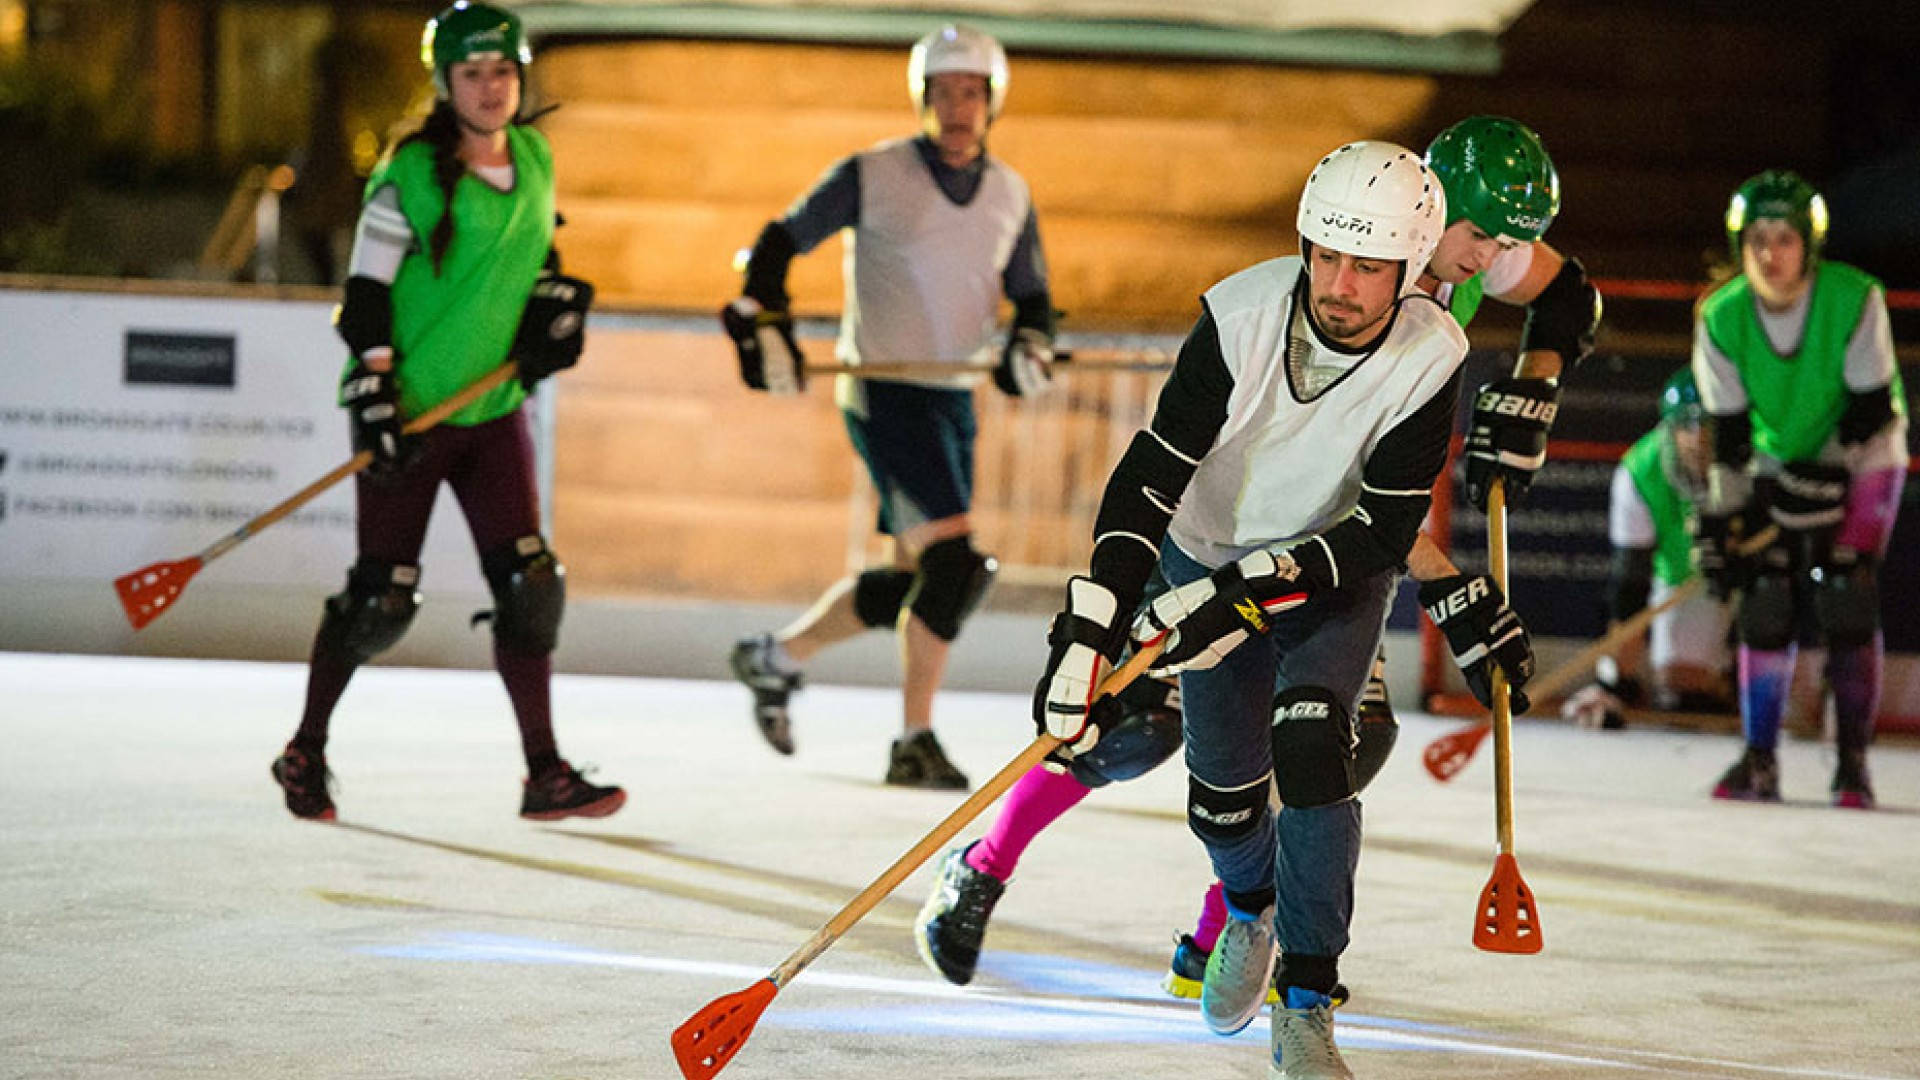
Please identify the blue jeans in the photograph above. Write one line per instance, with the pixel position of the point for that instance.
(1308, 855)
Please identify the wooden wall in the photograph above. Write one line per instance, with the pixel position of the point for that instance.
(1153, 179)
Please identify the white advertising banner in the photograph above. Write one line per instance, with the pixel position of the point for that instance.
(136, 429)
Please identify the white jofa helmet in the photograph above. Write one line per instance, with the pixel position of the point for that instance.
(1377, 201)
(958, 48)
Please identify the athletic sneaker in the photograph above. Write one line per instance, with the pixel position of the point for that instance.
(1188, 969)
(1238, 973)
(1754, 778)
(562, 792)
(918, 761)
(1852, 786)
(953, 921)
(1303, 1046)
(752, 662)
(305, 778)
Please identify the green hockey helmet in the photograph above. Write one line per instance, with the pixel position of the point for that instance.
(1778, 193)
(1680, 399)
(472, 31)
(1498, 176)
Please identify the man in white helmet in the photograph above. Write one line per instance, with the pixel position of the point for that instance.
(938, 232)
(1278, 490)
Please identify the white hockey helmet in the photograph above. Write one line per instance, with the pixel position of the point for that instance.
(1377, 201)
(954, 47)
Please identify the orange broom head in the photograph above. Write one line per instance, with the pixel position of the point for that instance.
(1507, 921)
(1447, 755)
(149, 592)
(709, 1039)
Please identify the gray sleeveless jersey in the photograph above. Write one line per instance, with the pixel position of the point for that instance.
(1283, 468)
(923, 276)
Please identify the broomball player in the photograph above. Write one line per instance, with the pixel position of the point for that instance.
(1650, 514)
(1278, 489)
(454, 272)
(1794, 358)
(938, 231)
(1502, 192)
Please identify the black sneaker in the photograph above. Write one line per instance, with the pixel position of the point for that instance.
(1852, 786)
(953, 921)
(918, 761)
(304, 777)
(1754, 778)
(562, 792)
(752, 663)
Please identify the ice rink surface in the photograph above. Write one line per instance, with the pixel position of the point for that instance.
(161, 915)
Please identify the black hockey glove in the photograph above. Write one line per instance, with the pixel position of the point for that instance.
(1085, 641)
(1025, 364)
(1716, 552)
(1205, 620)
(553, 327)
(372, 401)
(1481, 631)
(1508, 436)
(770, 359)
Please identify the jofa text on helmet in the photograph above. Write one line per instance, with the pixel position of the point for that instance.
(1337, 220)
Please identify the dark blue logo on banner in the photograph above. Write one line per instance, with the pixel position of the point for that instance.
(159, 358)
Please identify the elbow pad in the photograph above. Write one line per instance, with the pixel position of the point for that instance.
(364, 319)
(1733, 440)
(1867, 412)
(1565, 316)
(1630, 582)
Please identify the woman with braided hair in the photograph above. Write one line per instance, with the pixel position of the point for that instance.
(454, 272)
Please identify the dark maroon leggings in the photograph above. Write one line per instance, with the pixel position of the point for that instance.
(490, 468)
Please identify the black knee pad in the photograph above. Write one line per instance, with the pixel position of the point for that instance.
(1766, 612)
(1378, 730)
(374, 611)
(529, 593)
(950, 583)
(1147, 734)
(1846, 600)
(1223, 817)
(878, 596)
(1312, 748)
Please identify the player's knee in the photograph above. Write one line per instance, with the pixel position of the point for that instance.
(372, 614)
(1846, 601)
(1378, 730)
(878, 596)
(1766, 612)
(950, 583)
(1148, 734)
(1225, 817)
(529, 594)
(1313, 744)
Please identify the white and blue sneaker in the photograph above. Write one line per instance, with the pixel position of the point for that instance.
(1238, 972)
(1303, 1046)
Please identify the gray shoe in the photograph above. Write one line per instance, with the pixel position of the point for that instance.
(1303, 1046)
(918, 761)
(752, 663)
(1238, 973)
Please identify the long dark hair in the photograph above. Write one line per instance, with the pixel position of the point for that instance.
(441, 131)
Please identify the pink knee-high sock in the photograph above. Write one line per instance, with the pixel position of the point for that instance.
(1213, 917)
(1036, 802)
